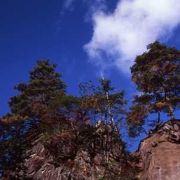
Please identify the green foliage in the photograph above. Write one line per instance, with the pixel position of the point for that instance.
(13, 146)
(102, 102)
(35, 97)
(156, 74)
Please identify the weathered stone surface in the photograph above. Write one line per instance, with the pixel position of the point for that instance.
(158, 157)
(160, 153)
(55, 161)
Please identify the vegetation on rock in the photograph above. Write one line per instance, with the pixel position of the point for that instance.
(80, 137)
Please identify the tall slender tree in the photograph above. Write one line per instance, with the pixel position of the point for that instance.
(102, 101)
(107, 106)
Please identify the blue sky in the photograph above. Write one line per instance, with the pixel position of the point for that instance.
(32, 30)
(84, 38)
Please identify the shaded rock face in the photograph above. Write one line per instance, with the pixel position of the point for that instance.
(96, 156)
(55, 161)
(160, 153)
(41, 165)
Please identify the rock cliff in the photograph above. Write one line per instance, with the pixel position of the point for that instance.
(160, 153)
(101, 158)
(96, 153)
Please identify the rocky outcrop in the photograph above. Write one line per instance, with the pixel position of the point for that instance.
(62, 159)
(160, 153)
(41, 166)
(97, 153)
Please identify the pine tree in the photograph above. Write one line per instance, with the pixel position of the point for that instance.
(157, 75)
(35, 97)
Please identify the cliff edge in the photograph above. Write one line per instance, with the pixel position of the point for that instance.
(160, 153)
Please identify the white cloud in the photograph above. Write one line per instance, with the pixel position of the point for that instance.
(119, 37)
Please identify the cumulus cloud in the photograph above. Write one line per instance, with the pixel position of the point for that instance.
(122, 35)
